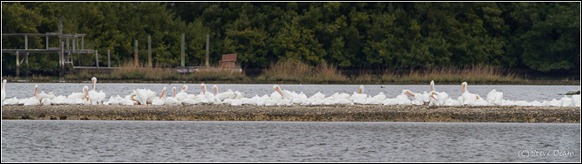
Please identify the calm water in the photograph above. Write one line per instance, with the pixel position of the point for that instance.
(210, 141)
(510, 92)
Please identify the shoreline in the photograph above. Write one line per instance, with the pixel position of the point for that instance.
(368, 113)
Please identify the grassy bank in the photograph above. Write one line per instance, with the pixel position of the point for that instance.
(298, 113)
(294, 72)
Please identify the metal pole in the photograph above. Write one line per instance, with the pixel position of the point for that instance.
(207, 64)
(135, 55)
(183, 55)
(108, 58)
(150, 51)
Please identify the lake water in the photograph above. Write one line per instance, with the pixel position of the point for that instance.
(214, 141)
(510, 92)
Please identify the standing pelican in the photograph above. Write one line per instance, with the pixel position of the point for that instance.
(215, 88)
(209, 96)
(437, 98)
(94, 96)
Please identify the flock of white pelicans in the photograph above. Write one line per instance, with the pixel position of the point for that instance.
(279, 97)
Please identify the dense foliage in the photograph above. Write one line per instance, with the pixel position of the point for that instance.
(363, 35)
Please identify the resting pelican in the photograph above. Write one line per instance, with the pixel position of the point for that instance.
(32, 100)
(160, 100)
(94, 96)
(494, 97)
(142, 96)
(378, 99)
(468, 98)
(79, 97)
(284, 93)
(576, 100)
(359, 97)
(172, 100)
(416, 98)
(182, 95)
(3, 90)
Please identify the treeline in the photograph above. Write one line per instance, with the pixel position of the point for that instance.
(541, 36)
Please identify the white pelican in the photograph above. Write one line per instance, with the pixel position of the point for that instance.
(576, 100)
(209, 96)
(142, 96)
(3, 90)
(416, 97)
(11, 101)
(566, 101)
(468, 98)
(378, 99)
(79, 97)
(401, 99)
(94, 96)
(118, 100)
(316, 99)
(182, 95)
(215, 88)
(32, 100)
(45, 99)
(494, 97)
(359, 97)
(172, 100)
(284, 93)
(437, 98)
(252, 101)
(160, 100)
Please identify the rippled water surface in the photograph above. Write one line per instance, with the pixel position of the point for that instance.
(212, 141)
(511, 92)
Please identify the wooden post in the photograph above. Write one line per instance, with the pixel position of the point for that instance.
(62, 59)
(150, 51)
(97, 58)
(47, 41)
(207, 64)
(183, 55)
(17, 63)
(74, 43)
(108, 58)
(82, 42)
(26, 57)
(135, 55)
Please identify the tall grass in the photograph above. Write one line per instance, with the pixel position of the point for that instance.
(473, 74)
(293, 71)
(129, 72)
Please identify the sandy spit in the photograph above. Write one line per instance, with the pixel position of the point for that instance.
(298, 113)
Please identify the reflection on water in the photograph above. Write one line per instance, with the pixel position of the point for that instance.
(213, 141)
